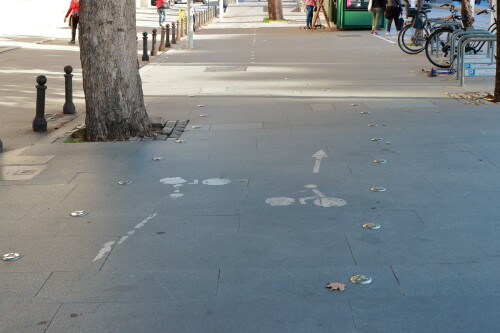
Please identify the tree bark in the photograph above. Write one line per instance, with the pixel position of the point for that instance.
(111, 81)
(275, 9)
(467, 14)
(496, 93)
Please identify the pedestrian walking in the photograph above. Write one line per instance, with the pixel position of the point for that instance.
(74, 18)
(310, 5)
(392, 13)
(161, 7)
(224, 5)
(376, 7)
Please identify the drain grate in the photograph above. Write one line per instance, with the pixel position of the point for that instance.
(226, 69)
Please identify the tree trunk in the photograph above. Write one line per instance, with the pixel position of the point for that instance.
(111, 81)
(467, 14)
(275, 9)
(496, 93)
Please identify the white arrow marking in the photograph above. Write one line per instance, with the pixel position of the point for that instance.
(320, 154)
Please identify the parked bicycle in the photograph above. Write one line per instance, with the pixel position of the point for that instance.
(438, 44)
(413, 36)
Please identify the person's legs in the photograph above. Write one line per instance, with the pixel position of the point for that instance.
(389, 23)
(74, 24)
(162, 16)
(309, 17)
(376, 13)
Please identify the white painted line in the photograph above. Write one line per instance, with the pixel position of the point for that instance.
(109, 245)
(140, 225)
(385, 39)
(105, 249)
(280, 201)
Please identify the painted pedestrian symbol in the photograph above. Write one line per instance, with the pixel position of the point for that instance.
(178, 182)
(318, 198)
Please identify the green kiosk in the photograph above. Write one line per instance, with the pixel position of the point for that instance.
(347, 14)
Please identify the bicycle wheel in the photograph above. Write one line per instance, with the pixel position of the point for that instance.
(412, 40)
(437, 47)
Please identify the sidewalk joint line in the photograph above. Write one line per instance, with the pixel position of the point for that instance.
(397, 280)
(350, 250)
(52, 319)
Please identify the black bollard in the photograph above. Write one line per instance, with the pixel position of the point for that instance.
(162, 39)
(167, 35)
(174, 37)
(145, 56)
(1, 146)
(69, 107)
(153, 43)
(39, 123)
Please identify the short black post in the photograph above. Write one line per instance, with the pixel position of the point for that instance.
(69, 107)
(162, 39)
(167, 35)
(39, 123)
(145, 56)
(1, 146)
(174, 38)
(153, 43)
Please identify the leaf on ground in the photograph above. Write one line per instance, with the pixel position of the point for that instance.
(336, 286)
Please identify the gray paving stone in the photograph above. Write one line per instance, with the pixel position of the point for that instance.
(41, 194)
(15, 211)
(133, 286)
(306, 283)
(47, 254)
(423, 246)
(289, 315)
(426, 314)
(20, 287)
(457, 280)
(26, 317)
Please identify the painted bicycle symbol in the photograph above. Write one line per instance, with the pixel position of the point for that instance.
(319, 199)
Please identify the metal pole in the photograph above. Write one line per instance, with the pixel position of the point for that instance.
(174, 32)
(69, 107)
(153, 43)
(190, 15)
(39, 123)
(167, 36)
(221, 10)
(162, 39)
(145, 56)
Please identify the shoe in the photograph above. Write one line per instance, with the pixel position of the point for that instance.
(387, 33)
(373, 31)
(72, 42)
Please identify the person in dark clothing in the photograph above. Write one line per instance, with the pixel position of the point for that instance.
(74, 18)
(392, 12)
(377, 9)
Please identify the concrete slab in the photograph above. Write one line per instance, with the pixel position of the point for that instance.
(21, 287)
(27, 317)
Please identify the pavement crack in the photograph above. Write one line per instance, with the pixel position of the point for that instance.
(52, 319)
(419, 217)
(352, 314)
(48, 277)
(218, 284)
(350, 250)
(397, 280)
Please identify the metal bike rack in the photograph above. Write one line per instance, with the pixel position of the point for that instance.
(488, 63)
(454, 39)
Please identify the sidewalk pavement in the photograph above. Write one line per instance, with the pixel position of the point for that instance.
(241, 226)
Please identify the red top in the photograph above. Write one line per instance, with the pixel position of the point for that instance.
(74, 7)
(159, 3)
